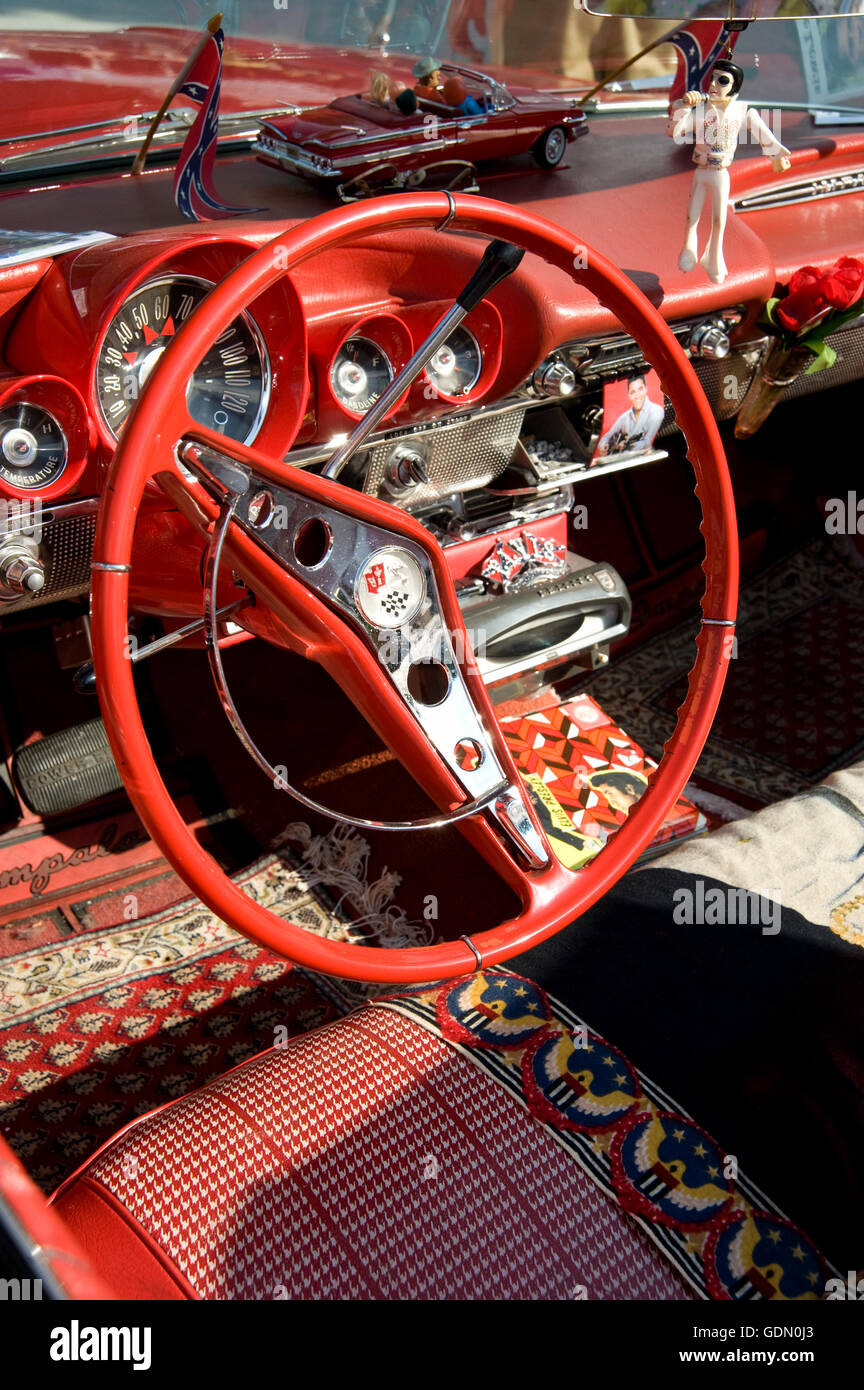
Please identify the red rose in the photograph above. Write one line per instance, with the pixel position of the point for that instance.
(814, 293)
(844, 283)
(807, 275)
(801, 306)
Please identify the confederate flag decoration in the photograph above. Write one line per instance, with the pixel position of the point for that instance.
(194, 193)
(699, 46)
(522, 560)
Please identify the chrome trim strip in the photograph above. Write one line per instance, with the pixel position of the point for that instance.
(382, 139)
(473, 949)
(235, 128)
(59, 511)
(291, 157)
(214, 558)
(107, 568)
(806, 191)
(144, 118)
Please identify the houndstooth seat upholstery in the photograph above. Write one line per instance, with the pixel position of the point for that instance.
(367, 1160)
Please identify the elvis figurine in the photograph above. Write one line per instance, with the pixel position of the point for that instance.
(715, 123)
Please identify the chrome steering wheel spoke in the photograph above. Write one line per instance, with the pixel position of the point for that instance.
(383, 585)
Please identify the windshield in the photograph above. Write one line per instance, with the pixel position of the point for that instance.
(64, 65)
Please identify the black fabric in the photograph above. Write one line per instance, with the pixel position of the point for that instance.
(758, 1036)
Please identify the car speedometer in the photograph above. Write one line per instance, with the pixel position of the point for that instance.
(229, 388)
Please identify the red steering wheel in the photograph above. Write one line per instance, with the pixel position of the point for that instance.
(315, 605)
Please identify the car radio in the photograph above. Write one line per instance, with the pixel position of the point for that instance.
(549, 622)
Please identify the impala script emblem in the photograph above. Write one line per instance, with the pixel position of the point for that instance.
(39, 875)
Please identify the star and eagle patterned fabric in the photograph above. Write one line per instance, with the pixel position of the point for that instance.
(732, 969)
(719, 1232)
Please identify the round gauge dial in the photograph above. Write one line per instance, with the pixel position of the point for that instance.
(33, 450)
(229, 389)
(455, 367)
(360, 372)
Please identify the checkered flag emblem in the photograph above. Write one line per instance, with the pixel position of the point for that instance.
(394, 602)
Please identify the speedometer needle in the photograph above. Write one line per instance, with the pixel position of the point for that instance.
(150, 336)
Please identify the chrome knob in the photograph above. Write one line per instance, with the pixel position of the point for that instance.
(21, 572)
(710, 341)
(592, 425)
(406, 469)
(554, 378)
(19, 447)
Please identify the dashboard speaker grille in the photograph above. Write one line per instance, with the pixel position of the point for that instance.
(849, 347)
(457, 456)
(724, 382)
(66, 550)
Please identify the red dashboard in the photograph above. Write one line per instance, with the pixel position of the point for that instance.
(91, 328)
(80, 332)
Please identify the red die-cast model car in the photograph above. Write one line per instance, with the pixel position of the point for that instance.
(365, 146)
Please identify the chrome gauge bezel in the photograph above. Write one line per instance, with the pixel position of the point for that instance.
(465, 390)
(369, 342)
(43, 484)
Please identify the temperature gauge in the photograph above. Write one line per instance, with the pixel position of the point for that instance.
(33, 450)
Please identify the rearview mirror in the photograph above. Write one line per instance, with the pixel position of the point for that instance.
(729, 10)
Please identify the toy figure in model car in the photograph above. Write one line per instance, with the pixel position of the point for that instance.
(715, 129)
(364, 145)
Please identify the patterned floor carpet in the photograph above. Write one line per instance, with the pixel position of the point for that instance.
(793, 707)
(103, 1026)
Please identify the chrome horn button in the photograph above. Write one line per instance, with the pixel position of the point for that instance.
(390, 588)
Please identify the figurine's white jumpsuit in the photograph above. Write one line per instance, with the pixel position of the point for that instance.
(715, 130)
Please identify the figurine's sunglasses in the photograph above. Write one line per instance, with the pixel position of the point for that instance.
(724, 80)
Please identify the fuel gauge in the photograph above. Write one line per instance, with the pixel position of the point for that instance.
(361, 371)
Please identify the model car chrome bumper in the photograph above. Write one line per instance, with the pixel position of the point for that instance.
(296, 160)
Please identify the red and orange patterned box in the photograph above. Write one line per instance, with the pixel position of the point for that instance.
(584, 775)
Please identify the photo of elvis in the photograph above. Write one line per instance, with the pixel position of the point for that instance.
(621, 787)
(635, 428)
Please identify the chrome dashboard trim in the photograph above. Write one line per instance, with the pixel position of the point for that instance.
(78, 506)
(311, 454)
(806, 191)
(122, 139)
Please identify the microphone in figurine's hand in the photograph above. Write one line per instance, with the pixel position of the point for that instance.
(499, 260)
